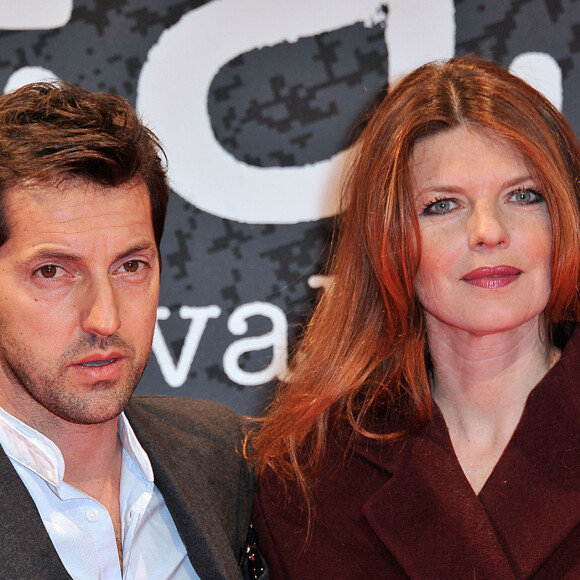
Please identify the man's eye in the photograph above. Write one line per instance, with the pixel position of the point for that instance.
(132, 266)
(439, 207)
(48, 271)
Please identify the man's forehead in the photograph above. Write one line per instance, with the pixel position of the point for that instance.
(73, 185)
(72, 212)
(29, 195)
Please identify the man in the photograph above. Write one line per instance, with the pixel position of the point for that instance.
(87, 490)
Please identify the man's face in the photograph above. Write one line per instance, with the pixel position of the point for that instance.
(79, 284)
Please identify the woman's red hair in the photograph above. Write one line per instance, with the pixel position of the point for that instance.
(364, 353)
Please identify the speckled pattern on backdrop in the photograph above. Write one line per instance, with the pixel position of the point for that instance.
(285, 105)
(502, 30)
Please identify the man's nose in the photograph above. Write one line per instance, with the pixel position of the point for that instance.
(100, 314)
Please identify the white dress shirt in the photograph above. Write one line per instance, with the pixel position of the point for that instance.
(80, 527)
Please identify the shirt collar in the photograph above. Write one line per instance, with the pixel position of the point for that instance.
(38, 453)
(132, 446)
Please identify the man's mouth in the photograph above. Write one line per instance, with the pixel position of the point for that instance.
(98, 363)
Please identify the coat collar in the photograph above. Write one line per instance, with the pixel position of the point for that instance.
(428, 516)
(430, 519)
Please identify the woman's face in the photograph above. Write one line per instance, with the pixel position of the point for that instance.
(486, 235)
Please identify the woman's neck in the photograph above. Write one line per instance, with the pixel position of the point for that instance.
(481, 384)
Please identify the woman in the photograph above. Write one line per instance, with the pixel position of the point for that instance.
(432, 426)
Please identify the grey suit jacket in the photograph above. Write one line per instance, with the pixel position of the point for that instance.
(194, 448)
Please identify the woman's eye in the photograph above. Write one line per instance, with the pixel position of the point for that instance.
(526, 196)
(48, 271)
(439, 207)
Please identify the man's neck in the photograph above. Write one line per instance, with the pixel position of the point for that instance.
(93, 458)
(90, 452)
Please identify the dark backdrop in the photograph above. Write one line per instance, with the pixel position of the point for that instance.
(254, 101)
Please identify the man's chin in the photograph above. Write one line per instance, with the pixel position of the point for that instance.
(96, 407)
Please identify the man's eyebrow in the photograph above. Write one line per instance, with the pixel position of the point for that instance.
(67, 256)
(52, 254)
(142, 247)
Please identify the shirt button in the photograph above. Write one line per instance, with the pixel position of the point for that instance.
(92, 515)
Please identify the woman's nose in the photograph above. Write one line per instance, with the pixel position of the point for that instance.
(487, 227)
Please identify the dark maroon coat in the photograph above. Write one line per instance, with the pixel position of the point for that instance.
(406, 510)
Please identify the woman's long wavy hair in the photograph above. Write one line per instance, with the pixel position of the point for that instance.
(363, 354)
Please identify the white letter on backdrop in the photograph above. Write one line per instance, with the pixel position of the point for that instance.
(277, 339)
(543, 72)
(175, 80)
(34, 14)
(418, 32)
(176, 374)
(28, 74)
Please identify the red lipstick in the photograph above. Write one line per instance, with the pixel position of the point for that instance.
(492, 277)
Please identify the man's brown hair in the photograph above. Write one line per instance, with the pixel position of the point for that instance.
(55, 132)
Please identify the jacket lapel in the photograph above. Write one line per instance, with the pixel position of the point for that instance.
(193, 519)
(26, 551)
(183, 476)
(428, 516)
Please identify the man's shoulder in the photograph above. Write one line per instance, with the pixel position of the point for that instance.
(159, 404)
(191, 417)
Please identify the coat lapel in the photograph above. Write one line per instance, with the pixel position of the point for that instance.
(430, 519)
(533, 495)
(428, 516)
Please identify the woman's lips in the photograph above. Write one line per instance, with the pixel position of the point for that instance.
(492, 276)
